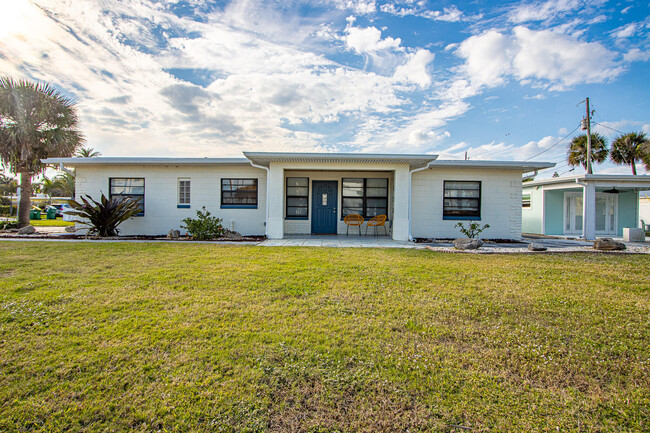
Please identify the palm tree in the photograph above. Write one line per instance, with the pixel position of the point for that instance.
(36, 122)
(629, 148)
(577, 154)
(66, 184)
(8, 185)
(87, 152)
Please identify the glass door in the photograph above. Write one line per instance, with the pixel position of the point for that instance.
(606, 206)
(572, 213)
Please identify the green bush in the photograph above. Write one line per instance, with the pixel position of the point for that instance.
(4, 201)
(204, 227)
(4, 210)
(102, 217)
(472, 230)
(8, 225)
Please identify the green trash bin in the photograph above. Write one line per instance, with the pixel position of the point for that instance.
(34, 214)
(51, 214)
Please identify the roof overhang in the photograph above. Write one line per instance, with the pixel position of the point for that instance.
(76, 162)
(523, 166)
(641, 182)
(264, 159)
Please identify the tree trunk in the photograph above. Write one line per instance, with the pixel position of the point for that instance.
(25, 199)
(633, 168)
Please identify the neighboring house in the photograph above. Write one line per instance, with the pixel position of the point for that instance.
(644, 208)
(556, 206)
(310, 193)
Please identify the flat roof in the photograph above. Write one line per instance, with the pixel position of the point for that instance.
(522, 165)
(414, 161)
(101, 160)
(606, 179)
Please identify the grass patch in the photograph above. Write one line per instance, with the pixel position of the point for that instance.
(43, 222)
(169, 337)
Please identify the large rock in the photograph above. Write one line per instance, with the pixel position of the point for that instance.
(27, 230)
(174, 234)
(608, 244)
(467, 244)
(536, 247)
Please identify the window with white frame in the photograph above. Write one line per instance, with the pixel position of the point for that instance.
(184, 193)
(462, 199)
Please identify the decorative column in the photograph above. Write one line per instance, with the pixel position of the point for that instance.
(401, 204)
(275, 220)
(589, 211)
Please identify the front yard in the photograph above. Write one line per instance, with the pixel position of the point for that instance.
(171, 337)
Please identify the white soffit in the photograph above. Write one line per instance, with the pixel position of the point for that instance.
(266, 158)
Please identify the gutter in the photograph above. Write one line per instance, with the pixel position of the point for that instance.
(62, 168)
(268, 189)
(410, 195)
(530, 176)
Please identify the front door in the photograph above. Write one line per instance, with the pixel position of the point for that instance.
(323, 220)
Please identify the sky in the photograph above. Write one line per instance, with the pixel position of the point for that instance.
(491, 79)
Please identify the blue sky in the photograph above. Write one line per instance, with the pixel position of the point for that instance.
(498, 80)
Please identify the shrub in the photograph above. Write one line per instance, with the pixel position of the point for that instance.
(5, 201)
(4, 225)
(472, 230)
(4, 210)
(204, 227)
(103, 216)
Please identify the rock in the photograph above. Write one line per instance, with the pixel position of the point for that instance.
(27, 230)
(228, 234)
(174, 234)
(70, 229)
(608, 244)
(536, 247)
(467, 244)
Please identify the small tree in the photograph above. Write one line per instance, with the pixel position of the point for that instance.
(9, 185)
(204, 227)
(629, 149)
(472, 230)
(577, 153)
(104, 216)
(87, 152)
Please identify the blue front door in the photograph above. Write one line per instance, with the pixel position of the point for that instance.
(323, 220)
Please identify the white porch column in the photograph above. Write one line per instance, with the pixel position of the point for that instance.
(275, 220)
(401, 204)
(589, 211)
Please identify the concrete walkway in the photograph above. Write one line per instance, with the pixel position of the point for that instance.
(339, 241)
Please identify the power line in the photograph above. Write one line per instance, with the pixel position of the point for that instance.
(605, 126)
(549, 148)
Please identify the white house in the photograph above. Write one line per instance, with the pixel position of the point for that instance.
(587, 205)
(310, 193)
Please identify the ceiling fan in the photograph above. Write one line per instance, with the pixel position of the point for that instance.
(612, 191)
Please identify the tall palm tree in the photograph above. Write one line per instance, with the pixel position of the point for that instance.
(629, 148)
(87, 152)
(36, 122)
(66, 184)
(577, 154)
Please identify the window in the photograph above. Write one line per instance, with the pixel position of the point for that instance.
(525, 200)
(462, 200)
(183, 193)
(297, 197)
(239, 193)
(131, 188)
(366, 197)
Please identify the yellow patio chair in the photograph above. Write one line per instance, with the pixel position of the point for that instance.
(353, 220)
(377, 221)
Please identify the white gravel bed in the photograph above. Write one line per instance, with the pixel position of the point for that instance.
(500, 250)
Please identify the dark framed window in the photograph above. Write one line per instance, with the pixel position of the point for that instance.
(525, 200)
(297, 197)
(367, 197)
(462, 200)
(131, 188)
(184, 193)
(239, 193)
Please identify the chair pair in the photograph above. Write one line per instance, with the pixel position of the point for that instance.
(356, 220)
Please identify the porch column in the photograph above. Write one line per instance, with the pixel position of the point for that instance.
(589, 211)
(275, 220)
(401, 204)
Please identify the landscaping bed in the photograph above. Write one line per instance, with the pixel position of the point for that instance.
(185, 336)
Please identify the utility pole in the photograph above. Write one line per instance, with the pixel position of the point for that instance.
(588, 139)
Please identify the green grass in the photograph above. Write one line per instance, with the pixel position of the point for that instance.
(169, 337)
(49, 223)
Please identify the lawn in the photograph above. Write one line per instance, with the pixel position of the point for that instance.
(43, 222)
(189, 337)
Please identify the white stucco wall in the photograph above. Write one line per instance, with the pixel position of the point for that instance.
(161, 195)
(500, 202)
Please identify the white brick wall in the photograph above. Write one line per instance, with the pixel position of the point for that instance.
(161, 195)
(500, 202)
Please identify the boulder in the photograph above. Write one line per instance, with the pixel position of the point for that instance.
(70, 229)
(608, 244)
(174, 234)
(229, 234)
(467, 244)
(27, 230)
(536, 247)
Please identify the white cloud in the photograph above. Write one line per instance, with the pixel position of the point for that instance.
(540, 57)
(450, 14)
(415, 69)
(626, 31)
(637, 55)
(542, 11)
(368, 40)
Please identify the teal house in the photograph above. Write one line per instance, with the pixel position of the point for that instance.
(586, 206)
